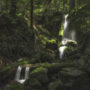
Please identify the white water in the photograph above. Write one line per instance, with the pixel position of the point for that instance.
(66, 22)
(67, 36)
(73, 34)
(64, 40)
(18, 74)
(27, 72)
(61, 50)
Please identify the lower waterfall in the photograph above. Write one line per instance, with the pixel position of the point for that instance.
(18, 74)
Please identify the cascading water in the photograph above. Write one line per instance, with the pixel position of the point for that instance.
(27, 72)
(67, 36)
(66, 22)
(73, 34)
(61, 50)
(18, 73)
(64, 41)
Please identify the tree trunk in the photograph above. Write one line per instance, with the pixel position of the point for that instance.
(72, 4)
(6, 4)
(64, 2)
(1, 8)
(55, 3)
(31, 20)
(31, 17)
(13, 8)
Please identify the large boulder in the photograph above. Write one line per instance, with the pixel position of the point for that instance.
(15, 86)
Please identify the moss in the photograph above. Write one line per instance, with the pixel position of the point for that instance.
(56, 66)
(52, 41)
(16, 86)
(81, 83)
(71, 43)
(34, 83)
(40, 74)
(74, 72)
(12, 66)
(8, 73)
(40, 69)
(56, 85)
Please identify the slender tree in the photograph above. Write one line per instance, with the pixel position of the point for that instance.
(6, 2)
(72, 4)
(31, 20)
(1, 6)
(13, 7)
(31, 5)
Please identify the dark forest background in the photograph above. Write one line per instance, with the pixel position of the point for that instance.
(32, 27)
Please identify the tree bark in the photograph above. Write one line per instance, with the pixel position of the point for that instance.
(64, 2)
(6, 4)
(31, 22)
(13, 8)
(31, 17)
(72, 4)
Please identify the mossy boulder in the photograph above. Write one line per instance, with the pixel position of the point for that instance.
(72, 43)
(33, 84)
(73, 72)
(72, 78)
(7, 74)
(52, 76)
(81, 83)
(70, 48)
(15, 86)
(40, 74)
(55, 85)
(38, 79)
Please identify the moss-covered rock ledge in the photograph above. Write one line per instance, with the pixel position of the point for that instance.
(54, 76)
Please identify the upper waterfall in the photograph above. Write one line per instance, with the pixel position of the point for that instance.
(65, 22)
(68, 35)
(64, 39)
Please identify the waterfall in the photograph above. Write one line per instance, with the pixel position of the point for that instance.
(61, 50)
(73, 34)
(67, 36)
(66, 22)
(64, 40)
(18, 74)
(27, 72)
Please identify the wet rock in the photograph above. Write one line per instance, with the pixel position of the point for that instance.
(40, 74)
(74, 72)
(81, 83)
(56, 85)
(15, 86)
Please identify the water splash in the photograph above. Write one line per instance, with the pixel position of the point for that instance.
(64, 41)
(61, 50)
(18, 74)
